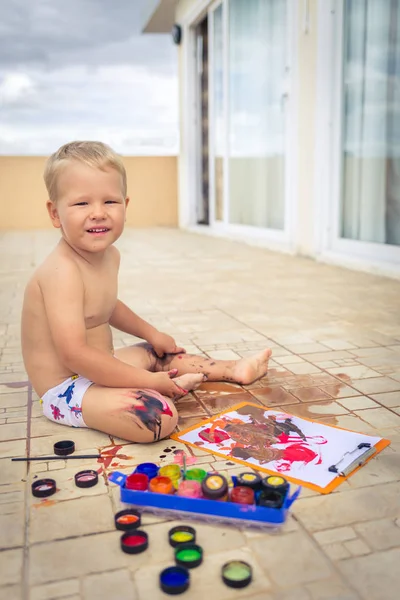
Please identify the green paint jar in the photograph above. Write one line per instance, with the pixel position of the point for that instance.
(196, 474)
(189, 555)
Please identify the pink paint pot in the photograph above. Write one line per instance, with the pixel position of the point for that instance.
(190, 489)
(137, 481)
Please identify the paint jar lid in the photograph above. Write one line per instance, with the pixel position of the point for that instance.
(148, 468)
(196, 474)
(188, 555)
(182, 534)
(275, 482)
(214, 486)
(42, 488)
(174, 580)
(127, 519)
(86, 479)
(236, 574)
(64, 447)
(134, 541)
(249, 479)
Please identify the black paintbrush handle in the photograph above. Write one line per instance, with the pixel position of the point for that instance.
(67, 457)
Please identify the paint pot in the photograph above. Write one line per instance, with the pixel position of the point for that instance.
(134, 542)
(249, 479)
(275, 483)
(215, 487)
(174, 580)
(42, 488)
(161, 485)
(64, 448)
(190, 489)
(137, 481)
(149, 469)
(173, 472)
(242, 495)
(128, 519)
(196, 474)
(189, 555)
(86, 479)
(236, 574)
(270, 499)
(182, 534)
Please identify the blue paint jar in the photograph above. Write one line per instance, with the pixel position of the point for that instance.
(174, 580)
(149, 469)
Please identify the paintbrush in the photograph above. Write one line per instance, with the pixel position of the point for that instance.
(67, 457)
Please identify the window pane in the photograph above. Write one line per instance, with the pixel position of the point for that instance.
(257, 62)
(371, 122)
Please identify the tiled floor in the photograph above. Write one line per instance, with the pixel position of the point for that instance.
(335, 336)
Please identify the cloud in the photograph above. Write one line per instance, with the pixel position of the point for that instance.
(81, 69)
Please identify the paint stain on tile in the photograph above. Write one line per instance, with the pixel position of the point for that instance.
(309, 394)
(274, 396)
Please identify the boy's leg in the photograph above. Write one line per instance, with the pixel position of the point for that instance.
(243, 371)
(135, 415)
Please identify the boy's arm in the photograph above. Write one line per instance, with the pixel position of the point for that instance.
(124, 319)
(63, 295)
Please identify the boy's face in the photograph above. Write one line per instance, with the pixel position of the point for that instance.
(90, 207)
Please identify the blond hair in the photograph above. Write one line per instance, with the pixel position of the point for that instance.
(93, 154)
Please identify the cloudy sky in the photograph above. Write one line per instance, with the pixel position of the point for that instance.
(80, 69)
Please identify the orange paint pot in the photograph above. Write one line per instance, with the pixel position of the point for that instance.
(161, 485)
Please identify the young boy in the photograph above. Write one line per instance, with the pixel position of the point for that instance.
(71, 302)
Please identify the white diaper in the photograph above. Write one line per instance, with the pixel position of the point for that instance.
(63, 403)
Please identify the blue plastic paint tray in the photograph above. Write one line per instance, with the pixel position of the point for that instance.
(228, 513)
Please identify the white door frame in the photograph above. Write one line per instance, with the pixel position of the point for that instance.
(382, 258)
(276, 239)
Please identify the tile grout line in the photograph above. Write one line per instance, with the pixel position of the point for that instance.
(25, 567)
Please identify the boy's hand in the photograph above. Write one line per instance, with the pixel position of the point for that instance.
(163, 383)
(164, 344)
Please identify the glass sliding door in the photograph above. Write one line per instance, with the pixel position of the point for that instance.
(257, 59)
(218, 111)
(370, 162)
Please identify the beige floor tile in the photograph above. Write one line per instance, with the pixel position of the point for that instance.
(307, 348)
(379, 417)
(354, 506)
(357, 547)
(223, 355)
(336, 551)
(11, 566)
(380, 534)
(388, 399)
(338, 534)
(11, 472)
(12, 448)
(376, 385)
(355, 372)
(66, 488)
(331, 589)
(375, 576)
(75, 557)
(12, 591)
(357, 403)
(81, 516)
(15, 431)
(105, 586)
(303, 368)
(18, 399)
(306, 563)
(58, 589)
(12, 529)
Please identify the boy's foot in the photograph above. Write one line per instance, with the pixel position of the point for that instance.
(189, 381)
(249, 369)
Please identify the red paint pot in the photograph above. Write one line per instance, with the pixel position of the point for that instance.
(134, 542)
(137, 481)
(242, 495)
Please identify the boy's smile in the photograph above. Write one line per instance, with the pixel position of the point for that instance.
(90, 207)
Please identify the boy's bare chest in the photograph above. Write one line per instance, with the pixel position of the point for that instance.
(101, 292)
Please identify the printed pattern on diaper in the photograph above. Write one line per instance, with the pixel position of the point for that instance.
(56, 412)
